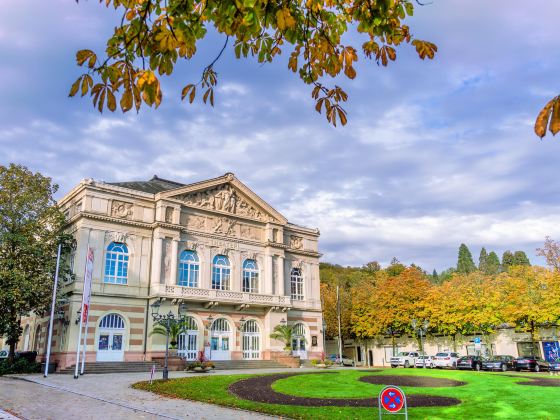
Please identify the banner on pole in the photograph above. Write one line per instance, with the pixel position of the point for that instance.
(87, 284)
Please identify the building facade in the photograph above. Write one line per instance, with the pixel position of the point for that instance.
(239, 266)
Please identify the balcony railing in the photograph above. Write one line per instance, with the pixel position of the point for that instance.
(229, 296)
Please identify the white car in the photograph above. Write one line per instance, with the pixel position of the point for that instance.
(424, 361)
(446, 359)
(404, 358)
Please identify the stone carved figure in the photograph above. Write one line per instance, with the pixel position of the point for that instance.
(296, 242)
(167, 260)
(196, 222)
(121, 209)
(224, 198)
(250, 232)
(169, 214)
(225, 226)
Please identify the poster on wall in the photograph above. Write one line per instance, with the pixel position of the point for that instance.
(551, 350)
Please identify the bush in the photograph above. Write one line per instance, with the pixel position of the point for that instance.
(19, 365)
(201, 362)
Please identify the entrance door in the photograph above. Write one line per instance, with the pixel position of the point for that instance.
(251, 340)
(187, 344)
(299, 341)
(110, 344)
(220, 338)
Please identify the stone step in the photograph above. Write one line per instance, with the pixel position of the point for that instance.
(110, 367)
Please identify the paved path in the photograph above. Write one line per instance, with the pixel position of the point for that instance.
(106, 396)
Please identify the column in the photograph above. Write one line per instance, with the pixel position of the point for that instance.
(236, 271)
(174, 261)
(279, 287)
(268, 275)
(156, 260)
(205, 255)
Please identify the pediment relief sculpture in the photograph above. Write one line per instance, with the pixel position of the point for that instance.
(196, 222)
(224, 198)
(121, 209)
(296, 242)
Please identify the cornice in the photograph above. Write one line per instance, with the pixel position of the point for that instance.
(221, 237)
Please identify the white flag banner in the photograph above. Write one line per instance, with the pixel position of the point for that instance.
(87, 284)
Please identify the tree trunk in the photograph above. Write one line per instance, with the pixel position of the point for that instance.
(532, 331)
(454, 337)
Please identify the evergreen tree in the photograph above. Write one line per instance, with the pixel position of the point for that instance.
(520, 258)
(465, 263)
(507, 260)
(492, 264)
(482, 260)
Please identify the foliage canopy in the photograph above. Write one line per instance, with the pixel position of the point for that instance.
(154, 34)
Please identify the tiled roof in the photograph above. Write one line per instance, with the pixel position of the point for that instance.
(153, 186)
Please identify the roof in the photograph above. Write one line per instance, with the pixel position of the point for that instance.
(153, 186)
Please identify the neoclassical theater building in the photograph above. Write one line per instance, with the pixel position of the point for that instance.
(239, 266)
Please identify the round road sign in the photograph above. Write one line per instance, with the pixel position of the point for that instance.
(392, 399)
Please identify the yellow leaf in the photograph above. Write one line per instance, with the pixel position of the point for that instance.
(126, 100)
(111, 101)
(75, 87)
(192, 95)
(554, 126)
(542, 119)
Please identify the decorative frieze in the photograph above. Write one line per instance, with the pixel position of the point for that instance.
(296, 242)
(116, 237)
(121, 209)
(251, 232)
(224, 226)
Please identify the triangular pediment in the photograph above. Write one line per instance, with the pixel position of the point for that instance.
(225, 194)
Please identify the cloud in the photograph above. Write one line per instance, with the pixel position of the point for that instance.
(434, 154)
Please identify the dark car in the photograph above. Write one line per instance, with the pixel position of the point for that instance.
(502, 363)
(533, 363)
(470, 362)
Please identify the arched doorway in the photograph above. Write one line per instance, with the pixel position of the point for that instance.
(251, 340)
(188, 341)
(110, 343)
(220, 339)
(299, 341)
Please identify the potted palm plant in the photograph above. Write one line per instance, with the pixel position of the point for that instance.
(175, 329)
(283, 333)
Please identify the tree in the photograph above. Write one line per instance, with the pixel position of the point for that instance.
(483, 260)
(175, 330)
(31, 227)
(492, 264)
(395, 268)
(154, 34)
(372, 267)
(551, 253)
(507, 260)
(465, 263)
(520, 258)
(283, 333)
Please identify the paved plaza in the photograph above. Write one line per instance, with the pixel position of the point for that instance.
(106, 396)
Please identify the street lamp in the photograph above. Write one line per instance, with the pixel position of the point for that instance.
(324, 336)
(422, 329)
(242, 322)
(167, 321)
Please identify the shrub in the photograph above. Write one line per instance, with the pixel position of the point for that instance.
(19, 365)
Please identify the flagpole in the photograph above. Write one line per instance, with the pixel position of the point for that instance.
(85, 344)
(82, 312)
(51, 321)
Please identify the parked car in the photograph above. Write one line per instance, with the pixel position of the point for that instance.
(404, 358)
(533, 363)
(503, 363)
(446, 359)
(424, 361)
(470, 363)
(345, 361)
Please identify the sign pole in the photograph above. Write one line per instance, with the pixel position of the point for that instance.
(51, 321)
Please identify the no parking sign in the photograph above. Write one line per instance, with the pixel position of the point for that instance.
(391, 400)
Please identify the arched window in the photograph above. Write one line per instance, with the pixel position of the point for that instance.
(220, 273)
(112, 321)
(116, 263)
(250, 276)
(188, 269)
(296, 283)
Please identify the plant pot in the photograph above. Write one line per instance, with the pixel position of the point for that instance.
(321, 366)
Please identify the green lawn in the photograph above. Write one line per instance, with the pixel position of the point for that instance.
(486, 395)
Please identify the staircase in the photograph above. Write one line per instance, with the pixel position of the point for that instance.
(114, 367)
(247, 364)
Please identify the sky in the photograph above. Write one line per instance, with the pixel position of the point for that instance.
(435, 153)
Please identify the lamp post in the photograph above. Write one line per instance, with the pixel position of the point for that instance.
(422, 329)
(324, 336)
(167, 321)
